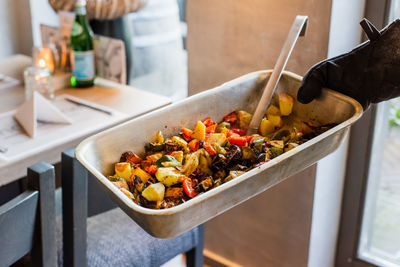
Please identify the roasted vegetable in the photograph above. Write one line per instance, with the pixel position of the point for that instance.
(154, 157)
(121, 184)
(173, 192)
(266, 127)
(154, 147)
(186, 134)
(230, 118)
(154, 192)
(285, 104)
(199, 131)
(130, 157)
(273, 110)
(127, 193)
(248, 153)
(206, 184)
(223, 125)
(219, 149)
(123, 170)
(276, 151)
(277, 143)
(169, 176)
(167, 161)
(187, 187)
(232, 175)
(191, 163)
(178, 155)
(275, 120)
(217, 138)
(244, 118)
(290, 146)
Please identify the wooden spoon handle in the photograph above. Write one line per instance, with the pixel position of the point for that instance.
(298, 29)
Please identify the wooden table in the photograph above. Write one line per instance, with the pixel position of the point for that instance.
(127, 100)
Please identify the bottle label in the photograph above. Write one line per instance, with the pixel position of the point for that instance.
(83, 65)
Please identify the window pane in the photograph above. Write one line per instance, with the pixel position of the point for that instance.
(380, 235)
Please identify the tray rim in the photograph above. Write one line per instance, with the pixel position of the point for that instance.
(81, 148)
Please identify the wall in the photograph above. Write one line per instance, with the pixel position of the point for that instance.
(345, 33)
(41, 13)
(15, 28)
(229, 38)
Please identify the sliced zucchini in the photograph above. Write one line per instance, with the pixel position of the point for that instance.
(167, 161)
(168, 176)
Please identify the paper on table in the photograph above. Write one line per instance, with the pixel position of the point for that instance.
(7, 82)
(84, 121)
(38, 108)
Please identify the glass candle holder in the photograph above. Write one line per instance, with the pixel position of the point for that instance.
(43, 58)
(38, 79)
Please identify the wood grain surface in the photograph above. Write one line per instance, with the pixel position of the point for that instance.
(225, 40)
(229, 38)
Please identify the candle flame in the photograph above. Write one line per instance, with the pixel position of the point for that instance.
(42, 63)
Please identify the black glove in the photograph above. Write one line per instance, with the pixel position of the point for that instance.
(370, 73)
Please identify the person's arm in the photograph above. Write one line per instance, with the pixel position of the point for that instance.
(370, 73)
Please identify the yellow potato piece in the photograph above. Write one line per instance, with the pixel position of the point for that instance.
(266, 127)
(217, 138)
(154, 192)
(275, 120)
(199, 131)
(285, 104)
(225, 131)
(273, 110)
(244, 118)
(123, 170)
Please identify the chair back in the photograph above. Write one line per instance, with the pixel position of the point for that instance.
(28, 223)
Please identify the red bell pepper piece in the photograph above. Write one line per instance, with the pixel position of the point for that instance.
(208, 122)
(211, 151)
(186, 134)
(231, 117)
(151, 169)
(187, 187)
(211, 129)
(194, 145)
(238, 131)
(249, 138)
(238, 140)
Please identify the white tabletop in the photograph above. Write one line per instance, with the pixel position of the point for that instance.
(127, 101)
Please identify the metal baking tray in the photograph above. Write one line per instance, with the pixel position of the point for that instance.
(98, 153)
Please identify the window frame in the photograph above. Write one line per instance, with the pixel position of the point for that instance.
(358, 166)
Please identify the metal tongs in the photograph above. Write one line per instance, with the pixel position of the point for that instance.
(298, 28)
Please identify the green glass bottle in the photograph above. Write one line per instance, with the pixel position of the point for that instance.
(83, 72)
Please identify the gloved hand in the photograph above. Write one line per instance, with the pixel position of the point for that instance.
(370, 73)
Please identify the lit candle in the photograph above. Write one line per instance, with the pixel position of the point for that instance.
(43, 58)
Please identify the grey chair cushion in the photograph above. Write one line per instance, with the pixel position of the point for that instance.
(114, 239)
